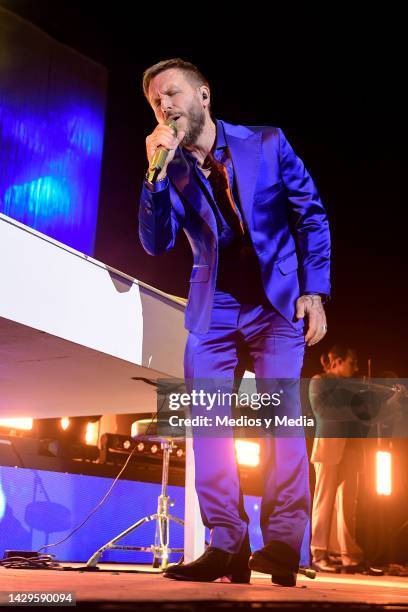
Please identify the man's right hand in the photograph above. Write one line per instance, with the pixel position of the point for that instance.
(163, 136)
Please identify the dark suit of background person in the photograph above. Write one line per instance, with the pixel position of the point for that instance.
(337, 457)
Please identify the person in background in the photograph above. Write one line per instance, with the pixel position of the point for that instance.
(337, 462)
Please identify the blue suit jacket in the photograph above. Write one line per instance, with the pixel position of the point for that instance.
(285, 217)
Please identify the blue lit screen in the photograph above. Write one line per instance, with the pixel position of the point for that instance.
(39, 507)
(52, 113)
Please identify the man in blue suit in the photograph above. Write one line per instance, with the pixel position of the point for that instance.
(260, 240)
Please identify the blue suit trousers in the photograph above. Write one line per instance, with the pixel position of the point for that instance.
(276, 348)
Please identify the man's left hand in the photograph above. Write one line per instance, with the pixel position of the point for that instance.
(311, 305)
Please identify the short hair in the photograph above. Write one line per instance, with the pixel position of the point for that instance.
(341, 351)
(190, 69)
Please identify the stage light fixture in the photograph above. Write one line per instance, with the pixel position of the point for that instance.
(69, 437)
(384, 472)
(65, 423)
(22, 424)
(143, 427)
(115, 448)
(92, 433)
(247, 452)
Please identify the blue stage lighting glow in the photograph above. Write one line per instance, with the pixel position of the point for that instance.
(43, 507)
(52, 115)
(52, 171)
(2, 502)
(45, 197)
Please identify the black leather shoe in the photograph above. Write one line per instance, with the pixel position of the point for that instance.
(215, 563)
(277, 559)
(353, 568)
(239, 571)
(325, 565)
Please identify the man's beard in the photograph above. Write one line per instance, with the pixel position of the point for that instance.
(195, 124)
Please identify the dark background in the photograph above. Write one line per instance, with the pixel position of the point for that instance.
(335, 86)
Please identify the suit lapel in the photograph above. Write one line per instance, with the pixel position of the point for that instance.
(246, 155)
(181, 174)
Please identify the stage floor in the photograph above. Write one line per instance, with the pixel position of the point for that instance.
(116, 585)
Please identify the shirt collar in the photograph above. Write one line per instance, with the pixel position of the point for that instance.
(220, 141)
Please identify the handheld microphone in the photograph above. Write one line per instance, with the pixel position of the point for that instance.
(159, 158)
